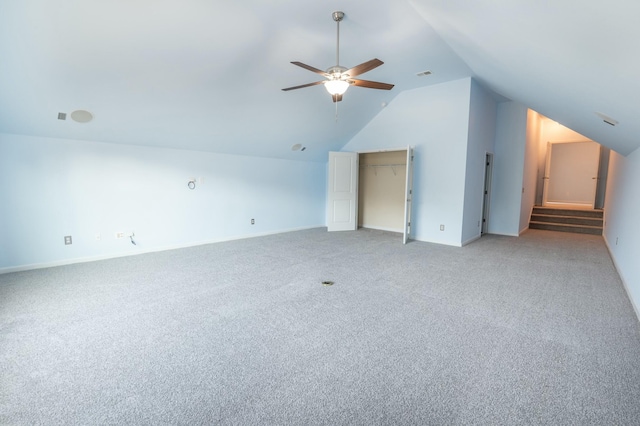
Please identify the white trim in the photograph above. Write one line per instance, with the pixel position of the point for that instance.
(470, 240)
(64, 262)
(523, 230)
(422, 240)
(562, 205)
(382, 150)
(636, 308)
(504, 234)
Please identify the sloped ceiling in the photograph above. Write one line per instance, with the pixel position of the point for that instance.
(566, 59)
(206, 75)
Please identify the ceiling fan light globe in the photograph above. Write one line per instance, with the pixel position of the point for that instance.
(336, 87)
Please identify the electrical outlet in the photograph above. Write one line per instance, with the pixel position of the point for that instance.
(98, 237)
(67, 240)
(253, 221)
(442, 227)
(119, 235)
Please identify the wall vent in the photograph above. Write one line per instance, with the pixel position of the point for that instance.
(62, 116)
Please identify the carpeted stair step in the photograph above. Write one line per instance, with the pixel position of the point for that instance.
(571, 220)
(563, 227)
(580, 221)
(568, 212)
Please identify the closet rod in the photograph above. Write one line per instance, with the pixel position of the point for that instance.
(375, 167)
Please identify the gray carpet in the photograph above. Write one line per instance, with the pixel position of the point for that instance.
(529, 330)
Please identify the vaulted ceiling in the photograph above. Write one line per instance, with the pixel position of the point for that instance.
(207, 75)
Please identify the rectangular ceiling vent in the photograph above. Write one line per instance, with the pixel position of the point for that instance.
(62, 116)
(610, 121)
(423, 73)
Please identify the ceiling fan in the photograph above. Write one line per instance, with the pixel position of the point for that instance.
(339, 78)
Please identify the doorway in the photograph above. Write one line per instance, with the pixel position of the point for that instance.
(370, 190)
(571, 174)
(488, 171)
(381, 190)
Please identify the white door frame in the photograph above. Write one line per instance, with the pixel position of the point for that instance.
(486, 196)
(408, 196)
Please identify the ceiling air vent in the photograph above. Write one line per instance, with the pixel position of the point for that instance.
(610, 121)
(62, 116)
(423, 73)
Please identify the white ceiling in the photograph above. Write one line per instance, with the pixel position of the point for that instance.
(206, 75)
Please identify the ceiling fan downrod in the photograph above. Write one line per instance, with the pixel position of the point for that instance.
(338, 16)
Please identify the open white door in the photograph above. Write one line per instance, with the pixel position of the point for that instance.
(408, 188)
(342, 192)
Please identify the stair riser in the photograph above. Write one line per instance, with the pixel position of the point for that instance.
(567, 220)
(561, 228)
(563, 212)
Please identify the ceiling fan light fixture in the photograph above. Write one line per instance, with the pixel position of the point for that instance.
(336, 87)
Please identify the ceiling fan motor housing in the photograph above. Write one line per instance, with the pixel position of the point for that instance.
(337, 72)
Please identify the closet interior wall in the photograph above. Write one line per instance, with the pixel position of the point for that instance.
(381, 190)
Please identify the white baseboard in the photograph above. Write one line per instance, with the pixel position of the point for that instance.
(505, 234)
(423, 240)
(636, 308)
(64, 262)
(470, 240)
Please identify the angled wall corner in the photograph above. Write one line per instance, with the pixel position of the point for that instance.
(508, 169)
(435, 121)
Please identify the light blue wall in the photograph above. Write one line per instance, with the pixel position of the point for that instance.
(622, 212)
(50, 188)
(508, 169)
(482, 133)
(530, 169)
(435, 120)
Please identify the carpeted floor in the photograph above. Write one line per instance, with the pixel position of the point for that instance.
(530, 330)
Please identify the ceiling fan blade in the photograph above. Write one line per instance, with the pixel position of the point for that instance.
(303, 85)
(336, 97)
(371, 84)
(310, 68)
(364, 67)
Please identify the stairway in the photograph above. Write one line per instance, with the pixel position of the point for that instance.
(567, 220)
